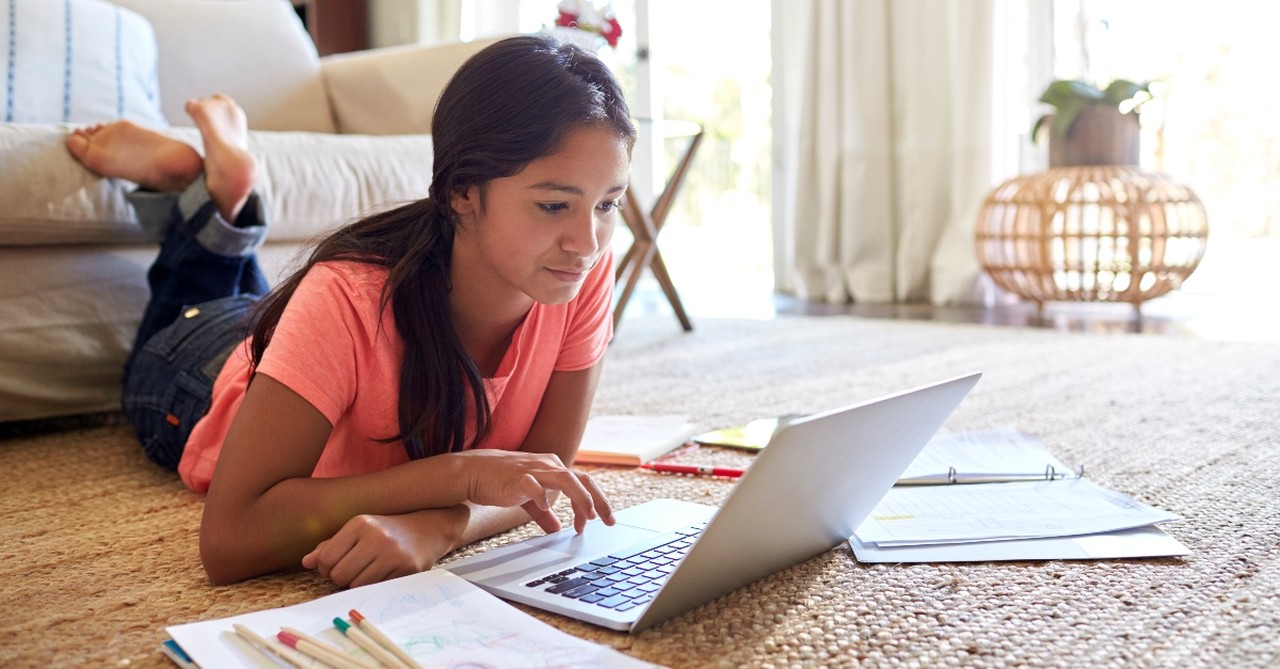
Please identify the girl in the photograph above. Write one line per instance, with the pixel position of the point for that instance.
(424, 380)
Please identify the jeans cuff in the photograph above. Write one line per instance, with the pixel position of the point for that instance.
(154, 211)
(217, 235)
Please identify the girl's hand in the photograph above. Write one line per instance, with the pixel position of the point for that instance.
(369, 549)
(530, 480)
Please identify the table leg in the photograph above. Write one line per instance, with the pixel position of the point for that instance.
(644, 227)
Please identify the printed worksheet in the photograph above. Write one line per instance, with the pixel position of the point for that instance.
(994, 511)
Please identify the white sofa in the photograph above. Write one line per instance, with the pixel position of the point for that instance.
(337, 137)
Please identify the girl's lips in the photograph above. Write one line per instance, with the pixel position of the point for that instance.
(568, 276)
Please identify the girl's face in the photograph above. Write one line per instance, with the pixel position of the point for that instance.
(540, 231)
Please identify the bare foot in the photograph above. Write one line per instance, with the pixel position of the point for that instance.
(229, 169)
(128, 151)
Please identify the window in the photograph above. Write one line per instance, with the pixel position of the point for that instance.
(1212, 124)
(709, 62)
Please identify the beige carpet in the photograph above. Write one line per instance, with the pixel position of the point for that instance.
(98, 548)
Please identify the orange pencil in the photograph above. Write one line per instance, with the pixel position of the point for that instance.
(367, 642)
(368, 628)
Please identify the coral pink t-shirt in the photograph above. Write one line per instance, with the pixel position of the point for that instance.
(340, 352)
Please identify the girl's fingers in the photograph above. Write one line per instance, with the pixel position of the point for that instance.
(374, 572)
(602, 506)
(530, 488)
(527, 478)
(543, 517)
(351, 566)
(585, 496)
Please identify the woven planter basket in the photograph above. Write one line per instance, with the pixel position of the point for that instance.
(1091, 234)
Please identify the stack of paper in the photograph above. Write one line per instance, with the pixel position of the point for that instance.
(999, 495)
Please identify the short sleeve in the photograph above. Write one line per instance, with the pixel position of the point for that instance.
(329, 323)
(590, 325)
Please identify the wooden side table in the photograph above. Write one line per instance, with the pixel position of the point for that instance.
(645, 226)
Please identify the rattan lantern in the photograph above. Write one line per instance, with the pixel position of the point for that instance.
(1103, 233)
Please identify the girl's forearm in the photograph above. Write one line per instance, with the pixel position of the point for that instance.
(272, 531)
(486, 521)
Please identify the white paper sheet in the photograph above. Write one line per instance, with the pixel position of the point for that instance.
(440, 619)
(998, 452)
(993, 511)
(1139, 542)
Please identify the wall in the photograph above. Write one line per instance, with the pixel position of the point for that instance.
(394, 22)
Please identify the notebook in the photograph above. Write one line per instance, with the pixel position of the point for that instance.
(819, 477)
(751, 436)
(631, 440)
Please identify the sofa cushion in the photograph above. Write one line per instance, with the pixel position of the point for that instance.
(256, 51)
(70, 317)
(77, 61)
(310, 182)
(369, 91)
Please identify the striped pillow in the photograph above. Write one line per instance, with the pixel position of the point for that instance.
(76, 61)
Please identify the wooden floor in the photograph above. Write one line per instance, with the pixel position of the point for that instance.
(1201, 315)
(1231, 296)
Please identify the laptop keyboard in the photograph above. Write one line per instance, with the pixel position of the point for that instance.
(624, 579)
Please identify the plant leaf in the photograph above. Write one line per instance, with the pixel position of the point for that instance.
(1122, 89)
(1035, 129)
(1070, 92)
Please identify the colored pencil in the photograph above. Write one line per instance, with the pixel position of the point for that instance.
(321, 652)
(366, 642)
(270, 648)
(696, 470)
(368, 627)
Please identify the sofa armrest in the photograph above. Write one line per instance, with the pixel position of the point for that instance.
(392, 90)
(310, 182)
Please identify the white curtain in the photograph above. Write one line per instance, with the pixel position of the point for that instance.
(882, 147)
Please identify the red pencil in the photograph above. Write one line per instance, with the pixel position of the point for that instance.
(696, 470)
(320, 651)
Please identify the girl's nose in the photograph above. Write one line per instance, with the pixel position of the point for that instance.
(580, 237)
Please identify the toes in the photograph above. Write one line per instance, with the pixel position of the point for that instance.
(78, 145)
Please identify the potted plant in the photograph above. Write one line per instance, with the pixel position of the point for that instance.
(1092, 126)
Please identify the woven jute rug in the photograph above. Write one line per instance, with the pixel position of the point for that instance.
(98, 548)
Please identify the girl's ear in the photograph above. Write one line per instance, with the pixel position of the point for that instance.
(465, 201)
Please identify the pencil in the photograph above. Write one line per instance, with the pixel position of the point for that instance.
(696, 470)
(324, 652)
(366, 642)
(270, 649)
(368, 628)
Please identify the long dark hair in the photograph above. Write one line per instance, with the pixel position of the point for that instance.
(508, 105)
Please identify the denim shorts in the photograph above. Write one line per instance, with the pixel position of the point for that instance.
(169, 385)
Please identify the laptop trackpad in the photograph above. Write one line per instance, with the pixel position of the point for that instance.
(534, 556)
(596, 539)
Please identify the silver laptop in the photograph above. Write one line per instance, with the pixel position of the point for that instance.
(807, 491)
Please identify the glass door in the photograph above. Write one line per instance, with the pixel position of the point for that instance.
(1211, 125)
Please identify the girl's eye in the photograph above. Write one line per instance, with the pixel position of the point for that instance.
(612, 205)
(552, 207)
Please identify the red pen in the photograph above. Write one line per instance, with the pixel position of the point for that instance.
(697, 470)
